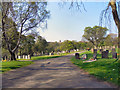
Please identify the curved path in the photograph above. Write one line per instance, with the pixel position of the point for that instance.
(51, 73)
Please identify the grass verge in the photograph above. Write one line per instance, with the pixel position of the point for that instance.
(8, 65)
(103, 69)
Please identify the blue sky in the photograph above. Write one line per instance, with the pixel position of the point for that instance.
(65, 24)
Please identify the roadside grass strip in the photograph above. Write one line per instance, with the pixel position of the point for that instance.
(8, 65)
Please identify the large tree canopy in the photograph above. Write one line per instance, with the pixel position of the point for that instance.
(26, 17)
(95, 35)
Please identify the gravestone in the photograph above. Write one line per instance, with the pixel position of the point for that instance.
(19, 57)
(74, 50)
(49, 53)
(114, 55)
(107, 51)
(26, 57)
(29, 57)
(95, 51)
(52, 53)
(88, 49)
(101, 50)
(63, 51)
(113, 50)
(105, 54)
(77, 55)
(23, 56)
(95, 54)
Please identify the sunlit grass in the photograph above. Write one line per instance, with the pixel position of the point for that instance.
(8, 65)
(105, 69)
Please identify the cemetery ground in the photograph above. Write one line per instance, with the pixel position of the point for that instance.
(104, 68)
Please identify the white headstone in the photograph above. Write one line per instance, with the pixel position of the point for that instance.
(18, 57)
(74, 50)
(29, 57)
(23, 56)
(26, 57)
(49, 53)
(63, 51)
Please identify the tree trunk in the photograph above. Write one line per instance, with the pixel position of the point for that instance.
(117, 22)
(119, 43)
(12, 56)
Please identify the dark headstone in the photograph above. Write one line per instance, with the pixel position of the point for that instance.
(114, 55)
(94, 56)
(52, 53)
(77, 55)
(107, 51)
(105, 54)
(113, 50)
(88, 49)
(95, 51)
(101, 50)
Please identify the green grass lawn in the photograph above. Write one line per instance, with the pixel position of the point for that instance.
(44, 57)
(103, 69)
(8, 65)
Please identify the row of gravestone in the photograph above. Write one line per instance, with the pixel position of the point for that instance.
(105, 53)
(24, 57)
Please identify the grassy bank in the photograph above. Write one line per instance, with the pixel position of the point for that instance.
(44, 57)
(103, 69)
(8, 65)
